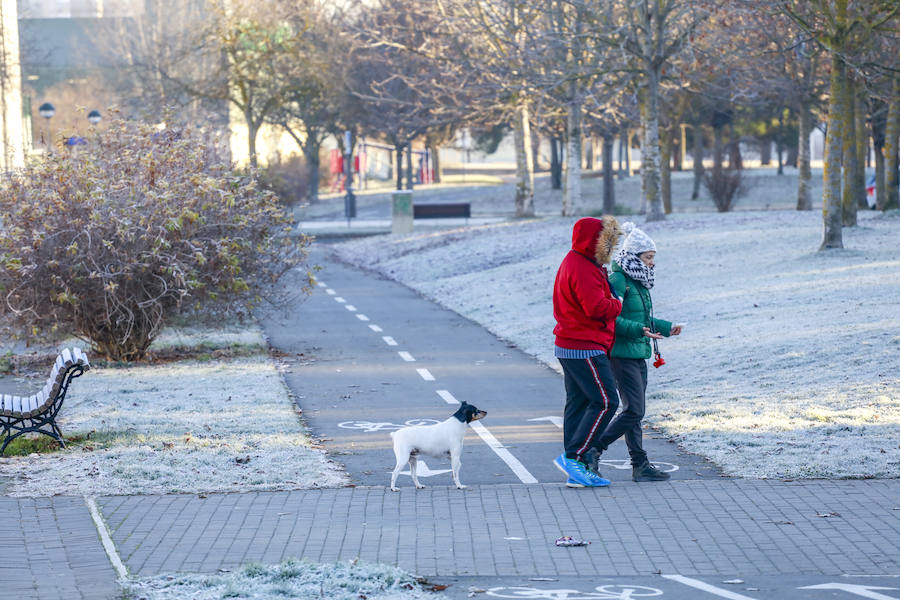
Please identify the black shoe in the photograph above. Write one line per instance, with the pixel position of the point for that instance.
(647, 472)
(592, 460)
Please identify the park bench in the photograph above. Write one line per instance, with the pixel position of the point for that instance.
(443, 210)
(37, 413)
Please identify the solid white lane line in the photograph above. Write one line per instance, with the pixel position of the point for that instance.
(494, 444)
(700, 585)
(389, 340)
(362, 317)
(406, 356)
(425, 374)
(375, 328)
(105, 538)
(447, 396)
(330, 292)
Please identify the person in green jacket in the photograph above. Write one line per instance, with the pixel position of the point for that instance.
(631, 279)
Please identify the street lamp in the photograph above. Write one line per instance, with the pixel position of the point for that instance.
(94, 117)
(47, 111)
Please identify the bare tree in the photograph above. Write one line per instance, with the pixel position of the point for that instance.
(845, 28)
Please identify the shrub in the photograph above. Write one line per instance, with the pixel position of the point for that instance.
(140, 225)
(287, 178)
(725, 186)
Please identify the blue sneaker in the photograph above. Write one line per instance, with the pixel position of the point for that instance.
(574, 470)
(573, 484)
(595, 479)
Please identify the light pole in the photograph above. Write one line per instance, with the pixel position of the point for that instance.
(47, 111)
(349, 198)
(94, 117)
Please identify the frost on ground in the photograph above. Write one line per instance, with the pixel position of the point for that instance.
(290, 579)
(789, 365)
(187, 426)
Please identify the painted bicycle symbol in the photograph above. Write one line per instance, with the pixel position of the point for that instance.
(370, 426)
(625, 465)
(603, 592)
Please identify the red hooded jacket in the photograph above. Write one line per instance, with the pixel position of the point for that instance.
(583, 305)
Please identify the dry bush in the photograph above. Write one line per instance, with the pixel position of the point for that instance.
(142, 224)
(725, 186)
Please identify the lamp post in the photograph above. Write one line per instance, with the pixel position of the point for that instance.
(349, 198)
(47, 111)
(94, 117)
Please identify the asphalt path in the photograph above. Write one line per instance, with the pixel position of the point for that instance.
(366, 355)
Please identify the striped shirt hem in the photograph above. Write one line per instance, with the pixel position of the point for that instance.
(567, 353)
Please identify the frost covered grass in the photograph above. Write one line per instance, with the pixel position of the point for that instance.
(227, 425)
(290, 579)
(789, 365)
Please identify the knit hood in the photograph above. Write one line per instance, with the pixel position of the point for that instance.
(596, 238)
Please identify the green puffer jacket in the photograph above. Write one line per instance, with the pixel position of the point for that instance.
(630, 341)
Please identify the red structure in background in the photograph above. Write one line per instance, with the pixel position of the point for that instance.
(336, 168)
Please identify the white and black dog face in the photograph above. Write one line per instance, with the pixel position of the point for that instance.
(468, 413)
(438, 440)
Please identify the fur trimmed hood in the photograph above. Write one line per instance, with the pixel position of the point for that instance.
(596, 238)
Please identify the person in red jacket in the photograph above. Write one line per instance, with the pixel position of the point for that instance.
(585, 309)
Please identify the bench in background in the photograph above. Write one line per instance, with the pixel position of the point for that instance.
(442, 210)
(37, 413)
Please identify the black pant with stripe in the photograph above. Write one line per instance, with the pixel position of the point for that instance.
(591, 402)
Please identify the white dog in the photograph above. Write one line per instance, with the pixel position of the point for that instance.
(437, 440)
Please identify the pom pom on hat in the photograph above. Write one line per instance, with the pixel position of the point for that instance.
(636, 241)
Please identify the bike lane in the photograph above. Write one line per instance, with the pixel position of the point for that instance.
(365, 355)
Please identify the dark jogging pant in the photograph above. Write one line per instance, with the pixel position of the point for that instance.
(631, 381)
(591, 402)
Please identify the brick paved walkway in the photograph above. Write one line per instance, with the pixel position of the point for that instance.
(692, 528)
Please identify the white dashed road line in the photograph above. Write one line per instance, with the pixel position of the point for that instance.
(494, 444)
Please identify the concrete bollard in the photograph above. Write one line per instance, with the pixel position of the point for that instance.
(402, 213)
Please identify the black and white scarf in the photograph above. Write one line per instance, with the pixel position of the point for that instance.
(635, 268)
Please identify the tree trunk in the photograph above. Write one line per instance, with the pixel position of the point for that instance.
(589, 153)
(436, 163)
(311, 154)
(609, 186)
(862, 148)
(665, 158)
(804, 175)
(535, 151)
(572, 197)
(252, 131)
(650, 180)
(555, 163)
(891, 198)
(848, 149)
(524, 164)
(765, 152)
(697, 132)
(398, 147)
(410, 176)
(831, 191)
